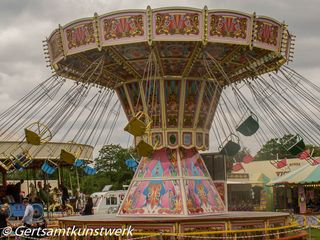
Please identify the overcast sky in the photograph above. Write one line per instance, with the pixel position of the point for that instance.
(25, 23)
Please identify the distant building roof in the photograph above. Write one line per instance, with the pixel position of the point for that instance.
(259, 172)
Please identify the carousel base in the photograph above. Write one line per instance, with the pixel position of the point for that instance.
(234, 225)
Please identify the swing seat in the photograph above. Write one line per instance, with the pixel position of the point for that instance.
(18, 167)
(279, 163)
(316, 161)
(304, 155)
(32, 137)
(144, 149)
(6, 164)
(78, 163)
(131, 163)
(249, 126)
(21, 161)
(297, 147)
(247, 159)
(230, 149)
(67, 157)
(137, 126)
(236, 167)
(47, 168)
(90, 170)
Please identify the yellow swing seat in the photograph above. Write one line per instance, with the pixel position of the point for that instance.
(144, 149)
(6, 164)
(32, 137)
(139, 124)
(21, 161)
(67, 157)
(37, 133)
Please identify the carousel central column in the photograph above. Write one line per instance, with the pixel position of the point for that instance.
(173, 180)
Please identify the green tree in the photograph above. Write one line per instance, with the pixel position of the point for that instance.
(278, 147)
(275, 147)
(111, 165)
(316, 150)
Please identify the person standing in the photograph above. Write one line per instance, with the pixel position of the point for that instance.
(88, 209)
(65, 194)
(17, 191)
(4, 218)
(28, 213)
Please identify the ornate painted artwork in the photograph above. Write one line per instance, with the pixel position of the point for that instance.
(199, 139)
(154, 197)
(268, 34)
(177, 23)
(197, 227)
(173, 67)
(173, 138)
(218, 51)
(163, 164)
(202, 197)
(80, 35)
(228, 26)
(208, 95)
(135, 97)
(192, 163)
(123, 27)
(187, 138)
(213, 109)
(94, 55)
(198, 69)
(172, 94)
(175, 50)
(133, 51)
(152, 94)
(139, 65)
(55, 46)
(221, 188)
(119, 70)
(157, 139)
(191, 102)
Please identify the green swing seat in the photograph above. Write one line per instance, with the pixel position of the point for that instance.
(298, 146)
(231, 148)
(249, 126)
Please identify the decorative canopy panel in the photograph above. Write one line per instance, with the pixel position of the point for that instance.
(125, 39)
(182, 113)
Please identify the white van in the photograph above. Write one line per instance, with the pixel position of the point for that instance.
(107, 202)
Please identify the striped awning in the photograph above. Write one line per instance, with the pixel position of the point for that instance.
(303, 175)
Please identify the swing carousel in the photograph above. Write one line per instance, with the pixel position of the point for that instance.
(181, 75)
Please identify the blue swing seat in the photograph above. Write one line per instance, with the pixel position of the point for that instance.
(78, 163)
(47, 168)
(90, 170)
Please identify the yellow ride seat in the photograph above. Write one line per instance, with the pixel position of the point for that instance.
(67, 157)
(6, 164)
(32, 137)
(139, 124)
(144, 149)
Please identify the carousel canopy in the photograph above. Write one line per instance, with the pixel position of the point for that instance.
(303, 175)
